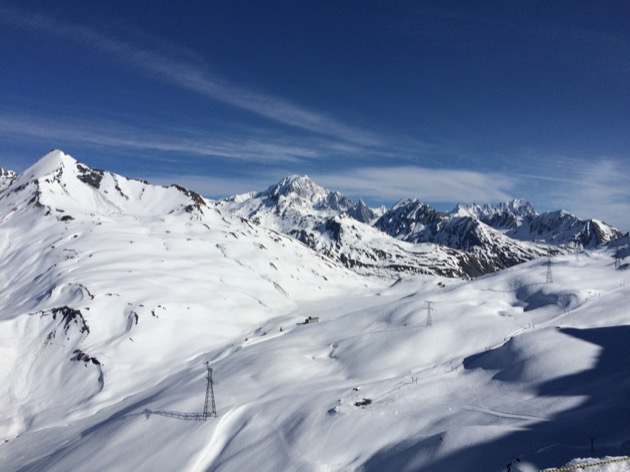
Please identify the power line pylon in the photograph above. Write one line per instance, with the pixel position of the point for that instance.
(549, 275)
(209, 395)
(430, 309)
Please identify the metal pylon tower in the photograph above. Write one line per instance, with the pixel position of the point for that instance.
(209, 395)
(549, 275)
(430, 309)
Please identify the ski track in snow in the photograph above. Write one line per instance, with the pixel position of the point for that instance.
(503, 414)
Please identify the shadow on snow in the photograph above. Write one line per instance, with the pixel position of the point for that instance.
(597, 427)
(175, 414)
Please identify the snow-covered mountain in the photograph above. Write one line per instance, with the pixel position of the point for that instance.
(294, 197)
(517, 220)
(88, 257)
(63, 187)
(522, 222)
(333, 225)
(416, 222)
(560, 227)
(116, 293)
(469, 241)
(504, 215)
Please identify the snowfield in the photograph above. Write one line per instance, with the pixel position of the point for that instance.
(115, 293)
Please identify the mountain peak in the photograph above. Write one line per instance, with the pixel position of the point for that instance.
(60, 183)
(516, 207)
(407, 202)
(298, 185)
(300, 193)
(51, 162)
(503, 215)
(519, 207)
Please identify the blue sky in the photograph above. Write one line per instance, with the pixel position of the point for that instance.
(443, 101)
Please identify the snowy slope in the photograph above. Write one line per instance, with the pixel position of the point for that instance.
(84, 269)
(107, 320)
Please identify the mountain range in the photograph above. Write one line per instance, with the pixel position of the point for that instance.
(340, 337)
(410, 237)
(413, 237)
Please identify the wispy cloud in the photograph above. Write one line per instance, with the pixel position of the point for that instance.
(589, 188)
(308, 135)
(387, 184)
(430, 185)
(193, 143)
(602, 191)
(192, 76)
(214, 187)
(237, 144)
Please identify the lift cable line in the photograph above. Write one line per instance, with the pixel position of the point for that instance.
(209, 396)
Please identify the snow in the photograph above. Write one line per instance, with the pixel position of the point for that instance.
(602, 464)
(511, 368)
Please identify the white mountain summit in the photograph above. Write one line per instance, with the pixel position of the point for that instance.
(60, 183)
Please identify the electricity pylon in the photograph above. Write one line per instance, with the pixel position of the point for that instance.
(209, 395)
(549, 276)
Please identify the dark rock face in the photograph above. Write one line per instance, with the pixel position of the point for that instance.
(198, 200)
(410, 220)
(90, 176)
(69, 317)
(487, 250)
(79, 355)
(361, 212)
(561, 228)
